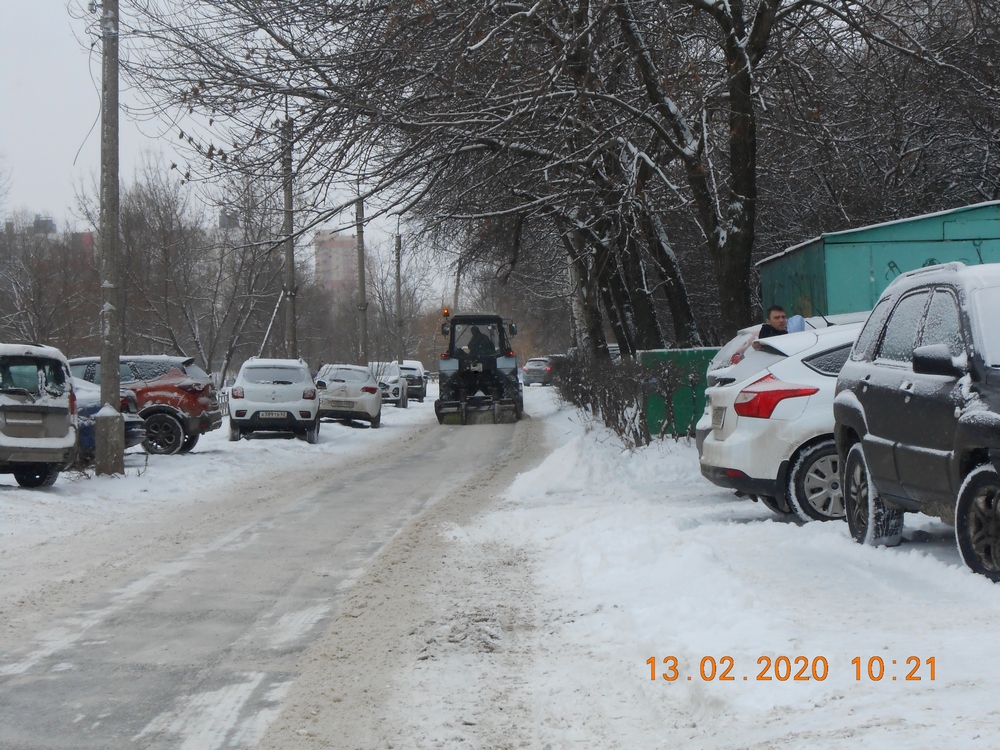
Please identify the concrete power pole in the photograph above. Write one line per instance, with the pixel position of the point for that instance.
(399, 299)
(109, 428)
(362, 300)
(291, 338)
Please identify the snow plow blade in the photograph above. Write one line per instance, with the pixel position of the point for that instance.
(477, 411)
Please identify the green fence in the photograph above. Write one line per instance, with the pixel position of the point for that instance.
(688, 400)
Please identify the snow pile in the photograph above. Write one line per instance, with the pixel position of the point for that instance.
(636, 556)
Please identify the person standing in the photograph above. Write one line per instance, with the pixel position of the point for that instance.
(776, 323)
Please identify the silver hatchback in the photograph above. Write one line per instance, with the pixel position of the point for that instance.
(37, 414)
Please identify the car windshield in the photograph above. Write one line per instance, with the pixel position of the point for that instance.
(476, 339)
(273, 375)
(411, 371)
(987, 304)
(32, 376)
(734, 348)
(754, 362)
(344, 375)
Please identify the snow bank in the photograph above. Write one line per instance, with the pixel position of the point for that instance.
(637, 556)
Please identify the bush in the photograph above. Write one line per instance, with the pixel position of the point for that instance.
(616, 393)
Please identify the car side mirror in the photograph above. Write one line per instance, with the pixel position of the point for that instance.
(321, 384)
(512, 329)
(936, 359)
(446, 329)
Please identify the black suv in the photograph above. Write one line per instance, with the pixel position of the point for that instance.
(918, 411)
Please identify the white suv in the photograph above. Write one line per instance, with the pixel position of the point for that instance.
(769, 423)
(274, 395)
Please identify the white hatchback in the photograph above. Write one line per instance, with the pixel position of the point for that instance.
(349, 392)
(769, 423)
(274, 395)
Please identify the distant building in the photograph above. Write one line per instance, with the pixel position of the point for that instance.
(44, 224)
(336, 261)
(83, 244)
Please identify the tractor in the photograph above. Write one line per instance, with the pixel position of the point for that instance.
(478, 373)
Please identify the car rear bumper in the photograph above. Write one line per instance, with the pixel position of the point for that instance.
(735, 479)
(204, 422)
(292, 421)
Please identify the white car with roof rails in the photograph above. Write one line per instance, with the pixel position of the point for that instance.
(37, 414)
(349, 392)
(769, 423)
(393, 382)
(274, 395)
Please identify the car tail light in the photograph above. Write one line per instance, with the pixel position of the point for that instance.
(236, 392)
(445, 356)
(369, 389)
(510, 353)
(525, 368)
(309, 394)
(736, 359)
(759, 399)
(72, 406)
(548, 369)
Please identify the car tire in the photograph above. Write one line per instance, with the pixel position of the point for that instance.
(189, 443)
(977, 522)
(164, 435)
(34, 476)
(404, 400)
(869, 519)
(814, 489)
(776, 504)
(376, 421)
(312, 433)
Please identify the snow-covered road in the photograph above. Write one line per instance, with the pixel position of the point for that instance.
(496, 587)
(530, 624)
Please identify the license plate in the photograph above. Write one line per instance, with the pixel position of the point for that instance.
(718, 417)
(273, 414)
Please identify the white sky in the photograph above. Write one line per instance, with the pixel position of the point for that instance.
(48, 102)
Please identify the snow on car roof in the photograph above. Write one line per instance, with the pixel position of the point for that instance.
(297, 364)
(794, 343)
(31, 350)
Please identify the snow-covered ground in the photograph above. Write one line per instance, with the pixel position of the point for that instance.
(635, 556)
(79, 502)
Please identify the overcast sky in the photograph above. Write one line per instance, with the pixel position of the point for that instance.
(49, 99)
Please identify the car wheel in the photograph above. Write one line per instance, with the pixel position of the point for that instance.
(376, 421)
(977, 522)
(164, 435)
(312, 433)
(776, 504)
(189, 443)
(869, 519)
(814, 489)
(34, 476)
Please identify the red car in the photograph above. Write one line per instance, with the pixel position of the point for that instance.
(177, 399)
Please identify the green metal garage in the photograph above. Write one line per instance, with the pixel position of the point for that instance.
(847, 271)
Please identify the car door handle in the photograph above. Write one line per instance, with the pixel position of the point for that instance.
(906, 386)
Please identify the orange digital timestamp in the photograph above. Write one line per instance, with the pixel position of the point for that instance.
(710, 669)
(785, 669)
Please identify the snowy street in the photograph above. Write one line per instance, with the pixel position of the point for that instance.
(488, 586)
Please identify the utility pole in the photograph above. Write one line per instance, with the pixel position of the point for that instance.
(291, 339)
(399, 299)
(362, 300)
(109, 428)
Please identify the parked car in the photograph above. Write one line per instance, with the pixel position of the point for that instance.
(37, 414)
(537, 370)
(88, 403)
(177, 399)
(416, 379)
(349, 392)
(274, 395)
(425, 376)
(770, 430)
(918, 411)
(394, 386)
